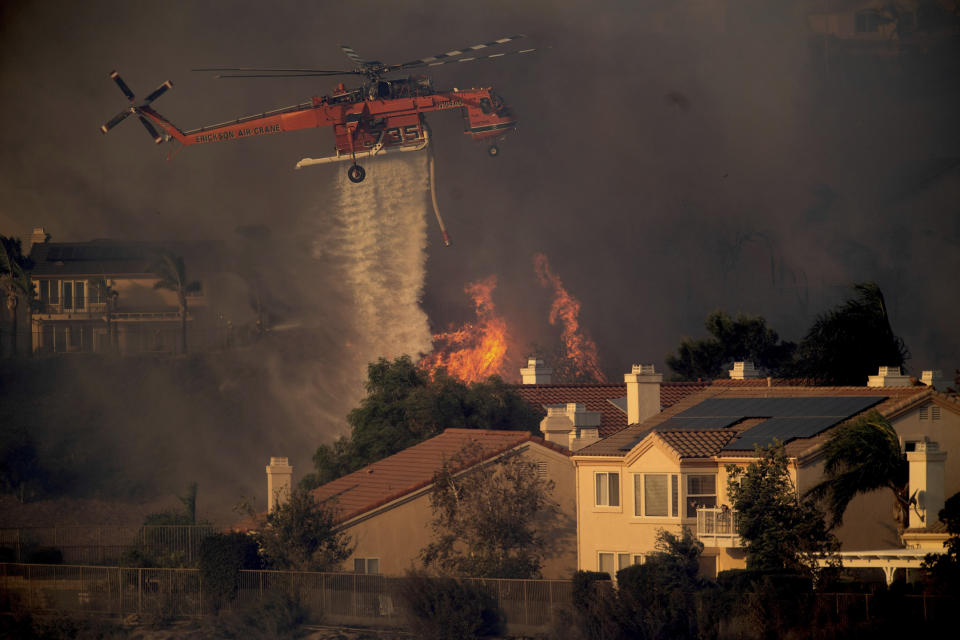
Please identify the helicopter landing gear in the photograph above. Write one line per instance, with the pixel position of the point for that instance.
(356, 173)
(493, 151)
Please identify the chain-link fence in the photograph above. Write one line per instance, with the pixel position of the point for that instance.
(338, 598)
(85, 544)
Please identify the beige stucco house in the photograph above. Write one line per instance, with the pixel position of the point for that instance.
(669, 471)
(385, 506)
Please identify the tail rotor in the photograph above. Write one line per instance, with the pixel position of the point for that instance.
(136, 108)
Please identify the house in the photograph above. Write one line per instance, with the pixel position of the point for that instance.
(385, 506)
(615, 405)
(98, 296)
(669, 471)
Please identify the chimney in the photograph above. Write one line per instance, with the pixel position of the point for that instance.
(279, 473)
(39, 236)
(571, 426)
(926, 484)
(743, 371)
(934, 379)
(888, 377)
(536, 373)
(643, 393)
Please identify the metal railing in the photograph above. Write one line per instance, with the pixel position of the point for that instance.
(88, 545)
(718, 527)
(339, 598)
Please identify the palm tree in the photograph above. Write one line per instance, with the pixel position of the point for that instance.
(14, 281)
(173, 277)
(862, 456)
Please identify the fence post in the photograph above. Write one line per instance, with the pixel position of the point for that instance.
(526, 604)
(139, 590)
(550, 600)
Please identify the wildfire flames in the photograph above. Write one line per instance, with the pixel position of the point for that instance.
(580, 348)
(478, 350)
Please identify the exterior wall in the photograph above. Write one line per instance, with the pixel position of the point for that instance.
(869, 522)
(396, 533)
(618, 530)
(146, 319)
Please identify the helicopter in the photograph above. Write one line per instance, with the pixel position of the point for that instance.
(381, 116)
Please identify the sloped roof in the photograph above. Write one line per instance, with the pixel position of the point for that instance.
(697, 444)
(411, 469)
(895, 400)
(94, 258)
(601, 397)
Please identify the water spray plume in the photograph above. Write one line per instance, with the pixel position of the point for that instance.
(477, 350)
(579, 347)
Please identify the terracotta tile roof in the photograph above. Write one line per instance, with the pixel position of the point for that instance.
(897, 399)
(937, 527)
(598, 397)
(413, 468)
(697, 444)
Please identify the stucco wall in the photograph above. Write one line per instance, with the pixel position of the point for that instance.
(396, 533)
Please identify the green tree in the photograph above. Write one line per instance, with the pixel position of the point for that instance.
(173, 277)
(744, 338)
(487, 520)
(14, 282)
(862, 456)
(301, 535)
(850, 342)
(222, 557)
(780, 530)
(944, 568)
(405, 405)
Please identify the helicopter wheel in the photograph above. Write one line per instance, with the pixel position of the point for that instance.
(493, 151)
(356, 173)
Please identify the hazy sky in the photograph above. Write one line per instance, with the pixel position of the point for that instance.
(665, 166)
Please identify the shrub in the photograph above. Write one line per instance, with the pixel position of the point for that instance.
(448, 609)
(222, 557)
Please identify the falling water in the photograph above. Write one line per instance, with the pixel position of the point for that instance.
(379, 238)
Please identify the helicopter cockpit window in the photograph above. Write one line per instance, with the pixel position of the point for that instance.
(485, 106)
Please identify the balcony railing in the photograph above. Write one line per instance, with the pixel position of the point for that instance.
(718, 527)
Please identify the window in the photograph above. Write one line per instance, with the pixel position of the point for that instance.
(366, 565)
(80, 298)
(656, 495)
(608, 489)
(869, 21)
(611, 562)
(44, 292)
(67, 295)
(701, 492)
(54, 291)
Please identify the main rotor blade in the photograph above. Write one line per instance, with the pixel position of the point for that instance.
(159, 91)
(117, 119)
(453, 54)
(123, 85)
(471, 59)
(350, 53)
(153, 132)
(270, 70)
(291, 75)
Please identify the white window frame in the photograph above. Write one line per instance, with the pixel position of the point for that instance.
(603, 501)
(687, 496)
(673, 495)
(366, 562)
(620, 560)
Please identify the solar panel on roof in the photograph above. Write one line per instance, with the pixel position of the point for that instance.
(697, 424)
(782, 429)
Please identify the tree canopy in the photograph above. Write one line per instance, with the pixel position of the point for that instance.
(780, 530)
(745, 337)
(850, 342)
(859, 457)
(301, 535)
(485, 519)
(843, 346)
(405, 405)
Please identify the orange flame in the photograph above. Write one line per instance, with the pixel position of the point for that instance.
(580, 348)
(478, 350)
